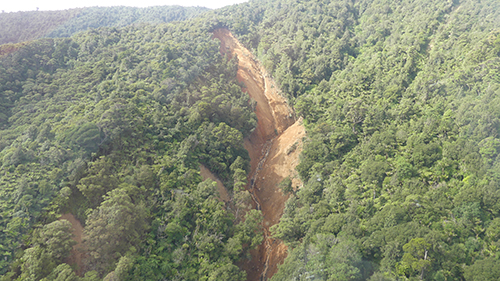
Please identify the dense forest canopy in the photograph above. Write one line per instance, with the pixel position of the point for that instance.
(401, 165)
(401, 168)
(111, 125)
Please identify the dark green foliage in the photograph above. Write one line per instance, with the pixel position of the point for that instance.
(112, 125)
(49, 249)
(62, 272)
(195, 238)
(400, 167)
(86, 136)
(58, 239)
(340, 256)
(487, 269)
(400, 101)
(286, 186)
(113, 230)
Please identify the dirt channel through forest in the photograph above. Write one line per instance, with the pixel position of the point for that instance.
(76, 255)
(274, 148)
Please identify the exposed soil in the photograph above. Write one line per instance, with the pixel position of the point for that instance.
(76, 255)
(274, 148)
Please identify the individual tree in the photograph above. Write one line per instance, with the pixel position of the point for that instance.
(286, 186)
(227, 271)
(416, 257)
(62, 272)
(58, 239)
(54, 244)
(114, 229)
(36, 264)
(101, 178)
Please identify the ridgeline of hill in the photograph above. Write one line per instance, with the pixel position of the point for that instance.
(400, 169)
(26, 26)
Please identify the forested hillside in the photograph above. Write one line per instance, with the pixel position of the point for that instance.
(400, 167)
(112, 125)
(96, 17)
(401, 104)
(25, 26)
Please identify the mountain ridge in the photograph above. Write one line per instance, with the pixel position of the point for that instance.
(26, 26)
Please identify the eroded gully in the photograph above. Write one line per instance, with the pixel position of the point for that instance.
(274, 148)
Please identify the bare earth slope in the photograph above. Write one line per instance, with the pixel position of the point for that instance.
(274, 148)
(76, 255)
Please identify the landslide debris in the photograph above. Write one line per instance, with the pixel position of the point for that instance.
(274, 148)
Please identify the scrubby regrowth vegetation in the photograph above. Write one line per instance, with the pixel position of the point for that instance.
(400, 166)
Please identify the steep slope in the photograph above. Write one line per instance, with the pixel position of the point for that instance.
(401, 103)
(116, 139)
(274, 148)
(400, 169)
